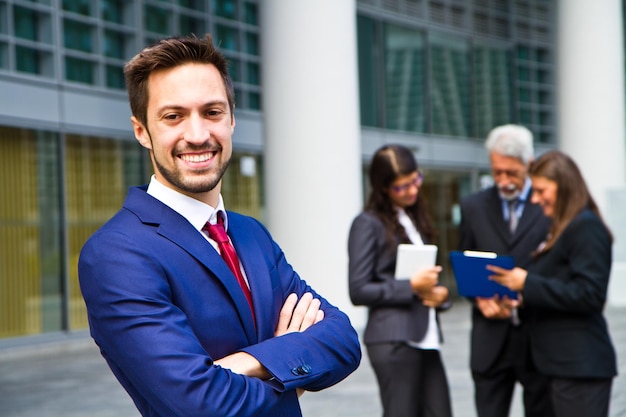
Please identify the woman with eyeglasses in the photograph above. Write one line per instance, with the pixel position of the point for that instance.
(402, 335)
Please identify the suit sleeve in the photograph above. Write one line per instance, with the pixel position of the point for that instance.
(578, 270)
(367, 284)
(317, 358)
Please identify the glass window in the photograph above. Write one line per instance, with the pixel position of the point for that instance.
(227, 38)
(4, 19)
(250, 14)
(29, 254)
(114, 11)
(404, 79)
(114, 44)
(492, 88)
(368, 74)
(27, 60)
(96, 184)
(252, 43)
(449, 85)
(226, 8)
(78, 6)
(115, 77)
(233, 69)
(254, 76)
(26, 23)
(254, 101)
(157, 20)
(190, 25)
(4, 53)
(196, 5)
(79, 70)
(78, 36)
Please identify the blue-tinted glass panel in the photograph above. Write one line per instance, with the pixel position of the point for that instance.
(227, 38)
(368, 74)
(4, 19)
(115, 77)
(189, 25)
(492, 88)
(26, 23)
(254, 76)
(254, 101)
(523, 53)
(114, 44)
(234, 69)
(78, 6)
(78, 36)
(197, 5)
(404, 80)
(156, 20)
(27, 60)
(226, 8)
(252, 43)
(449, 86)
(4, 52)
(113, 11)
(250, 14)
(79, 70)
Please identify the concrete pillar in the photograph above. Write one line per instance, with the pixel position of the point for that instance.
(312, 138)
(591, 107)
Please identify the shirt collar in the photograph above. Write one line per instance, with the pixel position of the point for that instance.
(195, 211)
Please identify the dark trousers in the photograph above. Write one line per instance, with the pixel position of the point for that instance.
(412, 382)
(581, 397)
(493, 390)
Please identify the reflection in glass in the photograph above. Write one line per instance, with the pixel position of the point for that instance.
(492, 88)
(449, 83)
(404, 80)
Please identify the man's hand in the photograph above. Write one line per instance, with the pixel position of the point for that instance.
(297, 316)
(494, 308)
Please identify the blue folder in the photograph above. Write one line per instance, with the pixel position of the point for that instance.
(472, 275)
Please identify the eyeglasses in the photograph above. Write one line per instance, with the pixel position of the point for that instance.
(417, 182)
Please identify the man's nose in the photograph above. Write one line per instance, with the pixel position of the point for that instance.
(197, 130)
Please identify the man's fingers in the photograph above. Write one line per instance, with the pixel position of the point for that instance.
(284, 318)
(298, 315)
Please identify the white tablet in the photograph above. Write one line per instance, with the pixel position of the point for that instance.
(412, 258)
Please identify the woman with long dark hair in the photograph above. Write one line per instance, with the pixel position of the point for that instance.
(402, 334)
(567, 288)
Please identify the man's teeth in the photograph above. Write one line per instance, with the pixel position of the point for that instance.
(196, 158)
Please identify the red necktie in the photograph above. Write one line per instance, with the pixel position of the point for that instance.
(218, 234)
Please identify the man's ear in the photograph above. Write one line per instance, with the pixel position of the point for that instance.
(141, 133)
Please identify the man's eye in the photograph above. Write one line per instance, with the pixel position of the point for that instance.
(170, 116)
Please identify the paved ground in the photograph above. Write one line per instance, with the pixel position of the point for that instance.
(68, 378)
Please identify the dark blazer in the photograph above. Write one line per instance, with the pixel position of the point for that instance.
(566, 288)
(483, 228)
(162, 305)
(396, 314)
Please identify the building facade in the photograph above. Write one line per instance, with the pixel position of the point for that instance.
(320, 85)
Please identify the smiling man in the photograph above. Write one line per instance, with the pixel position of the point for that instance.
(195, 308)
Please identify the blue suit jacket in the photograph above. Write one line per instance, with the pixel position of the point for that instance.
(162, 305)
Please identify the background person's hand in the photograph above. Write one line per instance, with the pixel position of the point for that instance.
(435, 296)
(494, 308)
(425, 279)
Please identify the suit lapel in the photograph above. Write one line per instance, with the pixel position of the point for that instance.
(178, 230)
(494, 210)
